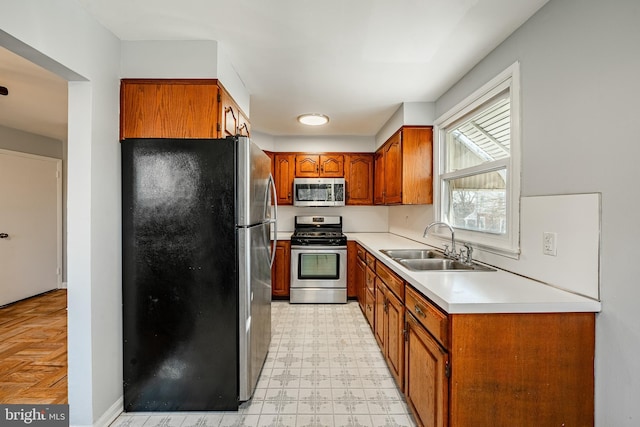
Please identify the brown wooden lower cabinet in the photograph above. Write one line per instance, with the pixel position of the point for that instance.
(352, 260)
(369, 302)
(529, 370)
(280, 271)
(394, 337)
(426, 384)
(380, 307)
(480, 370)
(524, 369)
(360, 273)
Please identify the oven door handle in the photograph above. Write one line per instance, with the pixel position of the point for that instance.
(318, 248)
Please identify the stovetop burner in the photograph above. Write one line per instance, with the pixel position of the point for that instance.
(319, 231)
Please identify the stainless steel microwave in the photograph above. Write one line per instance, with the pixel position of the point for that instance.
(318, 191)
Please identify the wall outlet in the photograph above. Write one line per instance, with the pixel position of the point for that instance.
(549, 243)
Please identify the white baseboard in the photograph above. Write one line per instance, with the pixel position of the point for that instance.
(110, 414)
(63, 285)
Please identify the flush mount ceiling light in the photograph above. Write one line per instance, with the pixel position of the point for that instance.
(313, 119)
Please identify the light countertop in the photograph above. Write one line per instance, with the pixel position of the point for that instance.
(459, 292)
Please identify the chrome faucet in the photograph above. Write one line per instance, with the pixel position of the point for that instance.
(449, 253)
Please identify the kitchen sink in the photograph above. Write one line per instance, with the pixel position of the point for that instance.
(442, 264)
(411, 254)
(429, 260)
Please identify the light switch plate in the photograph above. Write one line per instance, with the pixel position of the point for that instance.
(549, 243)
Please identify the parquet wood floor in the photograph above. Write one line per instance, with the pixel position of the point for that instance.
(33, 350)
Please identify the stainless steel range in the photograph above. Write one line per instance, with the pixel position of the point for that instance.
(318, 260)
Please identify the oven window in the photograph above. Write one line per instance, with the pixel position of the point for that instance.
(313, 192)
(319, 266)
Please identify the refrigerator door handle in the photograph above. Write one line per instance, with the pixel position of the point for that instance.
(272, 186)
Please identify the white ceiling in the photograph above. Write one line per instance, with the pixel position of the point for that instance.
(37, 100)
(354, 60)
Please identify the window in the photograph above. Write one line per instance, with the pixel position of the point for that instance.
(478, 167)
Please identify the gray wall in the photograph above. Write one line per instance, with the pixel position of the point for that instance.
(580, 62)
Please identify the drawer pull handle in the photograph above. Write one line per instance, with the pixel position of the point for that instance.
(419, 311)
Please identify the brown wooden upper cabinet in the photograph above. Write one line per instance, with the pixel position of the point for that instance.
(403, 168)
(319, 165)
(358, 173)
(244, 127)
(284, 170)
(357, 170)
(178, 108)
(230, 115)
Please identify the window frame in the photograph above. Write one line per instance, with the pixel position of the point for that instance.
(507, 244)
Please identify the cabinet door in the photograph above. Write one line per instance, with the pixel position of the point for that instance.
(361, 268)
(417, 165)
(393, 170)
(426, 383)
(359, 179)
(163, 108)
(284, 165)
(370, 301)
(280, 271)
(244, 127)
(352, 260)
(378, 187)
(394, 335)
(307, 166)
(331, 165)
(380, 324)
(370, 280)
(229, 115)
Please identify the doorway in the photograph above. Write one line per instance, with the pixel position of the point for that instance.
(30, 225)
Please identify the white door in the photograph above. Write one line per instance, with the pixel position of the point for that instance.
(30, 225)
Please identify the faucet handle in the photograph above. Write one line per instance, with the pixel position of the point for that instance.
(446, 250)
(469, 251)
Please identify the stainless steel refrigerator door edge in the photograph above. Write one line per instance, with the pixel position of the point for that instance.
(253, 170)
(254, 306)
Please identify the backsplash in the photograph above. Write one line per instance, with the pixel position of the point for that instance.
(355, 219)
(575, 219)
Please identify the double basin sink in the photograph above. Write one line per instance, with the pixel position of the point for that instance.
(428, 260)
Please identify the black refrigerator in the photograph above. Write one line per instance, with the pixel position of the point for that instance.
(197, 220)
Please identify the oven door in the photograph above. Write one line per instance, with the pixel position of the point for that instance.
(318, 266)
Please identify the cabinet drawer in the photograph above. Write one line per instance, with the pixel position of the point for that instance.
(371, 261)
(394, 283)
(370, 280)
(434, 320)
(361, 252)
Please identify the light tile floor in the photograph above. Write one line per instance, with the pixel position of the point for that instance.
(324, 368)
